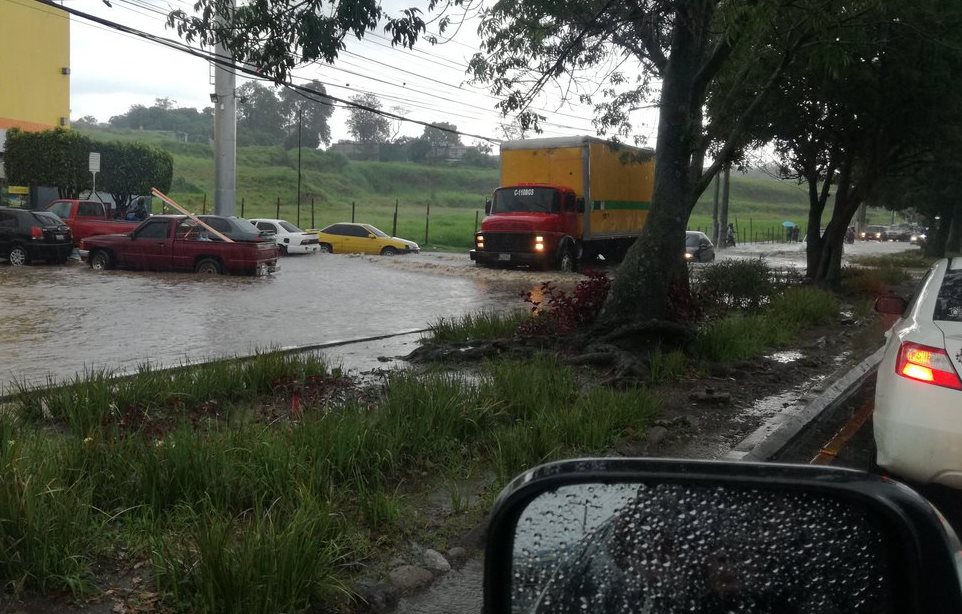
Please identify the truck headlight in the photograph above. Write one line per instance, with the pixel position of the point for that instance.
(688, 256)
(479, 239)
(539, 247)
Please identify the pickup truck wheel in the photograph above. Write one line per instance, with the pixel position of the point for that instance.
(388, 251)
(100, 261)
(325, 248)
(208, 266)
(19, 256)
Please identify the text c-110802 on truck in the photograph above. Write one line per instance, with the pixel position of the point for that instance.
(565, 200)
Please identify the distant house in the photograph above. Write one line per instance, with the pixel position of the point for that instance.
(357, 151)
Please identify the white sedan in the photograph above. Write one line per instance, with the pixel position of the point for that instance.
(918, 396)
(289, 238)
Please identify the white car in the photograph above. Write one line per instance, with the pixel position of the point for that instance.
(289, 238)
(918, 395)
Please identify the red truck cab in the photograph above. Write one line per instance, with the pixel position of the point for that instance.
(88, 218)
(530, 224)
(179, 243)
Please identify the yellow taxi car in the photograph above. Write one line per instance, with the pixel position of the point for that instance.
(347, 238)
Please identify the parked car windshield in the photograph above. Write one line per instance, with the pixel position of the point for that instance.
(948, 307)
(525, 200)
(375, 231)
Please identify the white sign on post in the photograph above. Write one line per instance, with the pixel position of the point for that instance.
(94, 164)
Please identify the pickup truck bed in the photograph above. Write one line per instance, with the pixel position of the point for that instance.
(178, 243)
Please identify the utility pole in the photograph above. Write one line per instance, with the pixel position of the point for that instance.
(225, 126)
(299, 108)
(714, 215)
(723, 213)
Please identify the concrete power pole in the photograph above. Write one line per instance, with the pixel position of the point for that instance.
(723, 213)
(225, 129)
(715, 228)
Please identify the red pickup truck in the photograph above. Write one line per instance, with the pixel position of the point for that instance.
(88, 218)
(179, 243)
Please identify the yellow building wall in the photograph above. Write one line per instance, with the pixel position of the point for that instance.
(34, 51)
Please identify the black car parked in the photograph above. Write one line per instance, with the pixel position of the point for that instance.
(27, 235)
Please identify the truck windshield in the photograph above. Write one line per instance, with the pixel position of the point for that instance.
(526, 200)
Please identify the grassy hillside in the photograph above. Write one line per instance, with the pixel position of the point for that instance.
(455, 194)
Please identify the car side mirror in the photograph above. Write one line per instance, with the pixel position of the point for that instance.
(708, 536)
(371, 236)
(580, 205)
(487, 207)
(891, 304)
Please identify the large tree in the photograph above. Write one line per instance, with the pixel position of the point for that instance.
(874, 105)
(308, 112)
(364, 122)
(260, 117)
(680, 49)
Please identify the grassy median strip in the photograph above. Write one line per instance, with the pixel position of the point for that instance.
(242, 499)
(480, 325)
(737, 336)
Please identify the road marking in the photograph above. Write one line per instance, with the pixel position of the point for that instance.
(826, 456)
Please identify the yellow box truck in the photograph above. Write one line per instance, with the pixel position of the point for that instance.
(565, 200)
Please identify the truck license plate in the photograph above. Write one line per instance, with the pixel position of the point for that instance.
(60, 237)
(504, 256)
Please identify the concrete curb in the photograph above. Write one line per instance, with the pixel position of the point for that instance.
(289, 349)
(777, 433)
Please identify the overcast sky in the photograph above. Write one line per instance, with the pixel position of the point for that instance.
(110, 71)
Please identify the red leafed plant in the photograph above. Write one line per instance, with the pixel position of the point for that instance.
(561, 313)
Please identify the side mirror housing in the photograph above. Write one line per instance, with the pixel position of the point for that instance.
(891, 304)
(487, 207)
(371, 235)
(707, 536)
(580, 206)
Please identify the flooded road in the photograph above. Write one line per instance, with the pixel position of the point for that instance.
(60, 320)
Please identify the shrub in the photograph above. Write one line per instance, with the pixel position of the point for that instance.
(481, 325)
(735, 284)
(560, 313)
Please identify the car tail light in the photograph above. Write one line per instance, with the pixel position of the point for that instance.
(927, 364)
(36, 232)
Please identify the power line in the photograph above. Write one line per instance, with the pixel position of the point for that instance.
(227, 62)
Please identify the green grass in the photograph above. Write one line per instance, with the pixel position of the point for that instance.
(240, 508)
(910, 258)
(738, 336)
(482, 325)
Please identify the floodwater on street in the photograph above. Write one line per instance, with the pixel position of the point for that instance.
(61, 320)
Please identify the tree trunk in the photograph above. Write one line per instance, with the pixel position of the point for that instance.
(938, 237)
(829, 272)
(816, 206)
(655, 261)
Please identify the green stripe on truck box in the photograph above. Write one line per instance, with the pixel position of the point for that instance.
(616, 205)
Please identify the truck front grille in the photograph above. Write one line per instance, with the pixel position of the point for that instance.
(507, 242)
